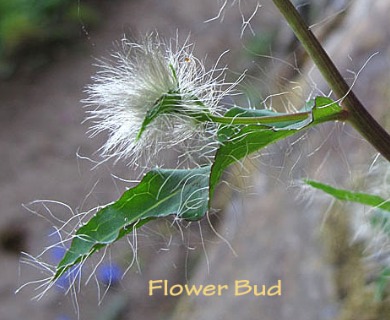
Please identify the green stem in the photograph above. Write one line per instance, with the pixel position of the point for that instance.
(206, 116)
(358, 116)
(260, 120)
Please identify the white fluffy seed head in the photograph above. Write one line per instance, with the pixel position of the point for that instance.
(129, 85)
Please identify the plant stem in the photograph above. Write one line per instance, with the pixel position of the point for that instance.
(358, 116)
(261, 120)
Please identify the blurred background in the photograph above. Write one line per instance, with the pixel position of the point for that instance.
(268, 226)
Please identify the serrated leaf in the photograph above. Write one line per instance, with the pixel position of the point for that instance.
(160, 193)
(347, 195)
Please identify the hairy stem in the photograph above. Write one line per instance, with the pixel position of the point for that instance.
(358, 116)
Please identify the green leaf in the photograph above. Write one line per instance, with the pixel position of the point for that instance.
(347, 195)
(379, 220)
(238, 141)
(160, 193)
(184, 193)
(248, 140)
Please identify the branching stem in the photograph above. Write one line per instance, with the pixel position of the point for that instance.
(358, 116)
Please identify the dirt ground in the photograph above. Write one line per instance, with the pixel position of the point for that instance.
(43, 144)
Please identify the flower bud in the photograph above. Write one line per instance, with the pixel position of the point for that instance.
(151, 97)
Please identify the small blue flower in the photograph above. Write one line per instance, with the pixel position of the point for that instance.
(57, 253)
(109, 273)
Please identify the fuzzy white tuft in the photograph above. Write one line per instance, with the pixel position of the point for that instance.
(140, 74)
